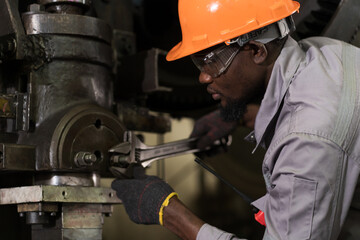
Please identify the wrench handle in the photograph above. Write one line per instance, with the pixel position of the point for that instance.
(172, 149)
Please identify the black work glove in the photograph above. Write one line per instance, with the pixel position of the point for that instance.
(144, 197)
(210, 128)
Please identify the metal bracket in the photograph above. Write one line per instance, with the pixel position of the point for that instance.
(56, 194)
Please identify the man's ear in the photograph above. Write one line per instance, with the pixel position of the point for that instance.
(259, 52)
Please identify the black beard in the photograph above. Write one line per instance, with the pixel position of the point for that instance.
(234, 110)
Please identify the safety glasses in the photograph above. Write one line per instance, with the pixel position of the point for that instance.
(217, 61)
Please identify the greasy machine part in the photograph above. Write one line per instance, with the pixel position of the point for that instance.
(86, 131)
(56, 73)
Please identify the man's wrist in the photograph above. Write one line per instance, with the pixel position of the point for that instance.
(165, 204)
(180, 220)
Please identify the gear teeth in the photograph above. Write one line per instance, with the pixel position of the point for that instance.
(137, 155)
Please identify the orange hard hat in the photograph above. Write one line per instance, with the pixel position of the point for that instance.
(205, 23)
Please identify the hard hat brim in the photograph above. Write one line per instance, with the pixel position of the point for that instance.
(183, 49)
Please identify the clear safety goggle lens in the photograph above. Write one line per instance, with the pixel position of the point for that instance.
(217, 61)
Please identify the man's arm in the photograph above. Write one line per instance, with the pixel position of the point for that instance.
(180, 220)
(150, 200)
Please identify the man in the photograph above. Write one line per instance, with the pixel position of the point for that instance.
(308, 119)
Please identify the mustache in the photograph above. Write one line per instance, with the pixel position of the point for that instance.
(210, 90)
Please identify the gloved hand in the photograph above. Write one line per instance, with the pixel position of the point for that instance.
(144, 197)
(210, 128)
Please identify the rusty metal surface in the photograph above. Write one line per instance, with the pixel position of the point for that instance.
(63, 194)
(37, 207)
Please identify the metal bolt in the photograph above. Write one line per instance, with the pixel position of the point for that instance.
(84, 159)
(90, 158)
(120, 160)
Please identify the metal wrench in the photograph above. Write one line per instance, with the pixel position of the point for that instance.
(133, 150)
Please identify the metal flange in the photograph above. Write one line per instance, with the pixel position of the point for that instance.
(89, 129)
(67, 24)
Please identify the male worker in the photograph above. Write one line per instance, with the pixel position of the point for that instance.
(308, 119)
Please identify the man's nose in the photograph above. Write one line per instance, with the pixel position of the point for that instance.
(205, 78)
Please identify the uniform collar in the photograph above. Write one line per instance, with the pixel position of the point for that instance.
(282, 75)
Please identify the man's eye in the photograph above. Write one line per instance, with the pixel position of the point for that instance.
(208, 60)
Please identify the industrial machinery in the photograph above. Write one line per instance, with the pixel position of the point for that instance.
(57, 117)
(67, 96)
(73, 82)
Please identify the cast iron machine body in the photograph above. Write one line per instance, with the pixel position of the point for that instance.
(57, 119)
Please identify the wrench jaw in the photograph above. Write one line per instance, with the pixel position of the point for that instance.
(120, 160)
(125, 155)
(122, 156)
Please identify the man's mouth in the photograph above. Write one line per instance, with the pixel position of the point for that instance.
(215, 95)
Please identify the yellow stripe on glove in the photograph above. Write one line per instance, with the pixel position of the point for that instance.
(164, 204)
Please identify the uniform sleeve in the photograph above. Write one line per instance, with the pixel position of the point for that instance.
(307, 185)
(208, 232)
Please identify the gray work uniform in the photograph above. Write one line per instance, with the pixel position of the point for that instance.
(309, 123)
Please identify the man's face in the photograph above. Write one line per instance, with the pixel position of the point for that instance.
(241, 83)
